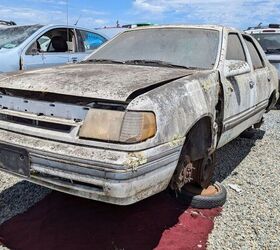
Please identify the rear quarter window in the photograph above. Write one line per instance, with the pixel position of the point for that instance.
(257, 60)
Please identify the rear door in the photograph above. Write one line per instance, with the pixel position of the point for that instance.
(261, 72)
(87, 42)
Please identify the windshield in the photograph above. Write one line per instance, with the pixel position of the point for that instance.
(269, 42)
(13, 36)
(191, 48)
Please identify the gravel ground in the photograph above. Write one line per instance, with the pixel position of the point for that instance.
(16, 196)
(19, 198)
(250, 218)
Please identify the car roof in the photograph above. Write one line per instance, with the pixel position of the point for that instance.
(186, 26)
(77, 27)
(49, 26)
(110, 32)
(263, 31)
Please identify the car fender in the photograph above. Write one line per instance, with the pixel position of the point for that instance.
(179, 104)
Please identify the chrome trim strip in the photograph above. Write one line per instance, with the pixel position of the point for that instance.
(235, 120)
(56, 168)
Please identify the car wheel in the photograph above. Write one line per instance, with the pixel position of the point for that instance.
(213, 196)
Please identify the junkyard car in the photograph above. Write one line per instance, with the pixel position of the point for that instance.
(269, 39)
(37, 46)
(4, 23)
(146, 110)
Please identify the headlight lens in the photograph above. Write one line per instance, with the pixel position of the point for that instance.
(118, 126)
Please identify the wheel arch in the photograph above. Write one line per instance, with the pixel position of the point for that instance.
(197, 145)
(272, 100)
(200, 136)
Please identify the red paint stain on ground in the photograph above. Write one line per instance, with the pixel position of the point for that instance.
(66, 222)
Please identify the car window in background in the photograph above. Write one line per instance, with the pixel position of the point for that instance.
(44, 42)
(13, 36)
(255, 56)
(60, 40)
(183, 47)
(91, 40)
(235, 49)
(269, 42)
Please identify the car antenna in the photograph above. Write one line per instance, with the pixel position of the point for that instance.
(67, 21)
(78, 20)
(67, 12)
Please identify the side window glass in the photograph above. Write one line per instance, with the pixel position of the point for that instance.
(54, 41)
(235, 50)
(254, 53)
(91, 40)
(44, 42)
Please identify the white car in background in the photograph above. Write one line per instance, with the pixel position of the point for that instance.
(269, 39)
(4, 23)
(37, 46)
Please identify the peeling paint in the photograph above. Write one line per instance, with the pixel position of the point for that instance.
(176, 141)
(134, 160)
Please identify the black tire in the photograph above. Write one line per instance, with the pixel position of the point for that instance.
(248, 133)
(199, 201)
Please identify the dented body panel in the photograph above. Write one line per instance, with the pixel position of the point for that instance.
(50, 106)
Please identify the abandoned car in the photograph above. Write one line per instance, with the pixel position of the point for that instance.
(4, 23)
(143, 112)
(37, 46)
(269, 39)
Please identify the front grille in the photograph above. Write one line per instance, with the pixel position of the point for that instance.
(36, 123)
(66, 182)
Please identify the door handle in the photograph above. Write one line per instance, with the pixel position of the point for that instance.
(269, 78)
(251, 84)
(74, 59)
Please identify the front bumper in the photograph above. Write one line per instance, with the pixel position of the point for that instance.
(111, 176)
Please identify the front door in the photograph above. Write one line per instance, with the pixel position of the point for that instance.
(52, 48)
(239, 92)
(32, 59)
(57, 45)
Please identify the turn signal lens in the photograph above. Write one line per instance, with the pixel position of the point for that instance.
(138, 126)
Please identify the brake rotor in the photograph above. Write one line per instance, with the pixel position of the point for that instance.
(203, 171)
(198, 172)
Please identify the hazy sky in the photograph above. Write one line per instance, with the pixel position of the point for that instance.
(98, 13)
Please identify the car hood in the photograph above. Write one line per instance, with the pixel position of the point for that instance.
(99, 81)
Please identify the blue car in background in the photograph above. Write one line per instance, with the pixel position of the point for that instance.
(37, 46)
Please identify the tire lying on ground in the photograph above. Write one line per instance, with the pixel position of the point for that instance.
(214, 196)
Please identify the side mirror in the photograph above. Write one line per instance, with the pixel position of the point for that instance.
(234, 68)
(34, 52)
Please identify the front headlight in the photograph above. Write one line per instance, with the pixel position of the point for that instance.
(118, 126)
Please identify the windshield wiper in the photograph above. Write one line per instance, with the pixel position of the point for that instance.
(102, 61)
(157, 63)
